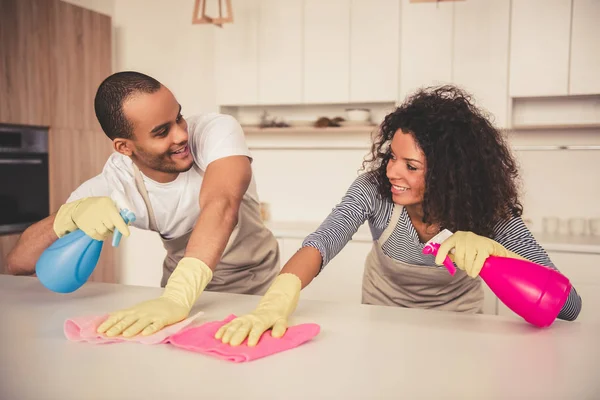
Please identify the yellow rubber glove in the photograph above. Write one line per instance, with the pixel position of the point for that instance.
(187, 282)
(273, 311)
(471, 251)
(97, 217)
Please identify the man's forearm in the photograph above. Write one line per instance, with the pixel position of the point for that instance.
(30, 246)
(212, 231)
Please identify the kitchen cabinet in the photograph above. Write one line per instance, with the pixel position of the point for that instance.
(425, 45)
(539, 47)
(236, 56)
(583, 270)
(483, 25)
(78, 148)
(82, 60)
(25, 51)
(280, 51)
(307, 51)
(76, 156)
(56, 54)
(326, 51)
(374, 56)
(584, 74)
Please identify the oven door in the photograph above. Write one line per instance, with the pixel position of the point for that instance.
(24, 192)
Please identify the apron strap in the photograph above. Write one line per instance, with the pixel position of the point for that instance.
(141, 187)
(392, 225)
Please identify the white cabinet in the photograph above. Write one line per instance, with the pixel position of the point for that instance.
(326, 51)
(584, 75)
(539, 55)
(280, 36)
(236, 56)
(426, 45)
(583, 270)
(374, 39)
(341, 279)
(480, 53)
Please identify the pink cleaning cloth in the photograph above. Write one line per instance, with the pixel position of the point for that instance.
(201, 339)
(83, 329)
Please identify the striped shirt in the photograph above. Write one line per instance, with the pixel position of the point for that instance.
(362, 203)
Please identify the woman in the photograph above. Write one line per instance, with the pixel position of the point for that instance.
(437, 163)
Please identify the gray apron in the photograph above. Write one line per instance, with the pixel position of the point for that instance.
(390, 282)
(250, 261)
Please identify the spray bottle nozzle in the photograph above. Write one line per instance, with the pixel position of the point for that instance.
(433, 245)
(128, 217)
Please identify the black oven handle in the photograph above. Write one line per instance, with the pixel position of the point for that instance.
(20, 161)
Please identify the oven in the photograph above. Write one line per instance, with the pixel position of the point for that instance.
(24, 188)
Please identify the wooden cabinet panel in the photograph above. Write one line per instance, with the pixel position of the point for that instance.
(82, 57)
(75, 155)
(12, 83)
(25, 62)
(53, 56)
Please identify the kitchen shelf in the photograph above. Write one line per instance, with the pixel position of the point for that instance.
(554, 127)
(557, 147)
(311, 129)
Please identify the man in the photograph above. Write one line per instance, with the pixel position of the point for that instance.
(191, 181)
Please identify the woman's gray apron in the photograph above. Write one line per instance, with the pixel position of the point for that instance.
(394, 283)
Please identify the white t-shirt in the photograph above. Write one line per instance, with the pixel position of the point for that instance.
(175, 204)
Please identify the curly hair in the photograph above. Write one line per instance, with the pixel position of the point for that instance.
(471, 178)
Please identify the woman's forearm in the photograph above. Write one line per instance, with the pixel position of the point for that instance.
(305, 264)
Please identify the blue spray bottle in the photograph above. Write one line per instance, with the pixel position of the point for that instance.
(68, 263)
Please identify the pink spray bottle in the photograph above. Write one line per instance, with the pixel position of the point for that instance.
(535, 292)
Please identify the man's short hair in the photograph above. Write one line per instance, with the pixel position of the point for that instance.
(111, 95)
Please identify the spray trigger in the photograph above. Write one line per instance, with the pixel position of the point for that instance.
(128, 217)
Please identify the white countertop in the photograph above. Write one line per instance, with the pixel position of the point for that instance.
(562, 243)
(362, 352)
